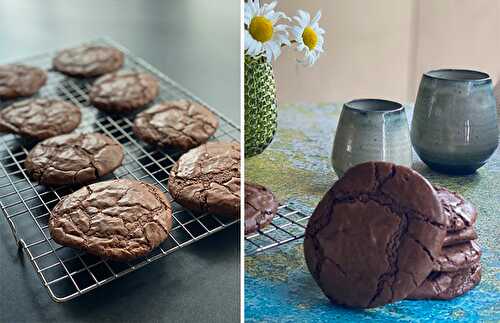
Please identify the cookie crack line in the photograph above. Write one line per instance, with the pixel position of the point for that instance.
(381, 183)
(392, 247)
(167, 140)
(376, 197)
(316, 244)
(206, 181)
(392, 250)
(158, 197)
(410, 213)
(424, 248)
(137, 81)
(90, 156)
(183, 130)
(231, 170)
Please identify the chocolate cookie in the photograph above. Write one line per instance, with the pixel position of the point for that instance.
(457, 237)
(119, 219)
(448, 285)
(375, 235)
(207, 179)
(461, 213)
(458, 257)
(20, 80)
(260, 207)
(123, 91)
(73, 159)
(88, 60)
(40, 118)
(180, 124)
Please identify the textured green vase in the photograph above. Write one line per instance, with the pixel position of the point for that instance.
(260, 105)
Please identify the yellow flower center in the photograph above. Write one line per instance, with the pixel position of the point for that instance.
(309, 37)
(261, 29)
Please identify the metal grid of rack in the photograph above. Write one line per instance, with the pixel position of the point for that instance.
(288, 225)
(67, 273)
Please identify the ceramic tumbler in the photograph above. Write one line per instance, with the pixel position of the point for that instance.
(371, 129)
(454, 128)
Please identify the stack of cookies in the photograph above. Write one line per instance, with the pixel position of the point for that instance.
(458, 268)
(383, 233)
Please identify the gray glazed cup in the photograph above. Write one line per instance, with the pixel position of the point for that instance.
(454, 128)
(371, 129)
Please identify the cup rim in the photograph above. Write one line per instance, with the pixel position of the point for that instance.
(385, 106)
(480, 76)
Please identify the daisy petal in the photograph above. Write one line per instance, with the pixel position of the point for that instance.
(320, 30)
(258, 48)
(251, 47)
(266, 8)
(275, 49)
(306, 18)
(248, 39)
(316, 18)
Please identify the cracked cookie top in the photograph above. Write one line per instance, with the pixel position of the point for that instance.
(119, 219)
(260, 207)
(88, 60)
(207, 179)
(18, 80)
(460, 212)
(374, 236)
(73, 159)
(40, 118)
(181, 124)
(123, 91)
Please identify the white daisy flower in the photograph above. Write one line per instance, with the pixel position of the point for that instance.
(262, 34)
(309, 36)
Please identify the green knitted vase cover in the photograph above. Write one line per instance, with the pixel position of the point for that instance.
(260, 105)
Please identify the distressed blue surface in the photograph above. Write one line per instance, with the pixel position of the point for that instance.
(298, 299)
(296, 166)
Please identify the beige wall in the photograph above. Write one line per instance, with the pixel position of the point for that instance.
(380, 48)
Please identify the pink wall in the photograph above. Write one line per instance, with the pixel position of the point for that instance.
(380, 48)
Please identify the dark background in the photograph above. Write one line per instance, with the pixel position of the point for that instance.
(196, 43)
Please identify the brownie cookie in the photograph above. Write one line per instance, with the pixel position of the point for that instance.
(458, 237)
(180, 124)
(375, 235)
(458, 257)
(119, 219)
(123, 91)
(40, 118)
(260, 207)
(20, 80)
(461, 213)
(207, 179)
(73, 159)
(448, 285)
(88, 60)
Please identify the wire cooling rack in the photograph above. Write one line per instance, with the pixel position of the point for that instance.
(289, 224)
(65, 272)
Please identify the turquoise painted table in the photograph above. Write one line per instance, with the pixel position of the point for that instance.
(296, 166)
